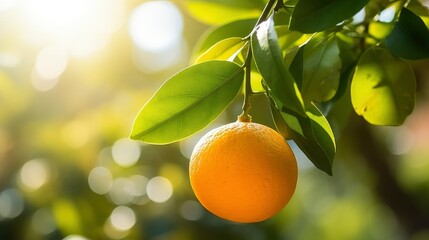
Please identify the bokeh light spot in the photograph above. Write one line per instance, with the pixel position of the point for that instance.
(51, 62)
(112, 232)
(100, 180)
(81, 26)
(159, 189)
(52, 15)
(75, 237)
(359, 16)
(105, 156)
(43, 222)
(6, 4)
(121, 192)
(152, 62)
(11, 203)
(191, 210)
(123, 218)
(34, 174)
(43, 84)
(139, 189)
(401, 141)
(161, 45)
(387, 15)
(156, 25)
(126, 152)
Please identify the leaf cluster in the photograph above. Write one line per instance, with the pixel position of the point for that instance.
(311, 58)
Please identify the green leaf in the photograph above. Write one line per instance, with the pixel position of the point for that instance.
(409, 38)
(280, 124)
(188, 102)
(311, 16)
(418, 8)
(223, 50)
(378, 31)
(321, 70)
(312, 134)
(222, 11)
(240, 28)
(289, 39)
(269, 61)
(323, 135)
(296, 67)
(383, 88)
(282, 16)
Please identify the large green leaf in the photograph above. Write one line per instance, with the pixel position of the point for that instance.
(223, 50)
(317, 15)
(312, 134)
(239, 28)
(383, 88)
(323, 135)
(279, 122)
(223, 11)
(295, 60)
(269, 61)
(188, 102)
(409, 38)
(321, 69)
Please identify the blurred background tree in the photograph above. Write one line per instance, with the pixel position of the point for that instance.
(72, 76)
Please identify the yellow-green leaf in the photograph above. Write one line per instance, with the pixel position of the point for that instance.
(321, 68)
(239, 28)
(222, 11)
(312, 134)
(188, 102)
(225, 49)
(383, 88)
(311, 16)
(269, 61)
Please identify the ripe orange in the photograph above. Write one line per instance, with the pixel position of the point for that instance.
(243, 172)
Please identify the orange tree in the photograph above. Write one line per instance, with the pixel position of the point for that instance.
(309, 57)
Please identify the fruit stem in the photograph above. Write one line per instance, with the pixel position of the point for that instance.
(264, 16)
(267, 11)
(245, 117)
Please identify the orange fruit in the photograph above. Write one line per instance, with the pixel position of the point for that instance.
(243, 172)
